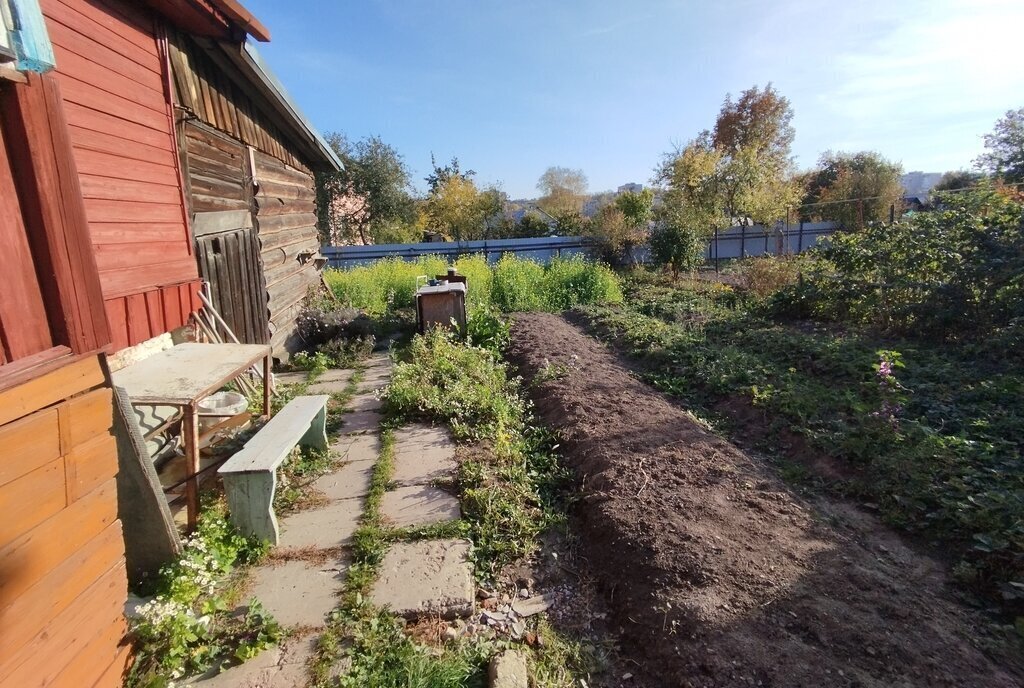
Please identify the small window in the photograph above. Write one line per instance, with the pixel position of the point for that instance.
(23, 36)
(7, 53)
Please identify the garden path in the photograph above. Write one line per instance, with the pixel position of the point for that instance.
(300, 584)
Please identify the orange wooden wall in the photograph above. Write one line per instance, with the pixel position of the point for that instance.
(112, 74)
(62, 573)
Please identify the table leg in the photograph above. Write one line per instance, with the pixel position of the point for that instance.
(266, 387)
(190, 436)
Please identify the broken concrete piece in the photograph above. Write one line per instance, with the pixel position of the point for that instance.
(508, 670)
(429, 577)
(533, 605)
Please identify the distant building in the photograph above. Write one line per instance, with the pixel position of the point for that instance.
(919, 184)
(632, 187)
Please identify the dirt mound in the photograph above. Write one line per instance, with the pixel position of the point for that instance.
(716, 573)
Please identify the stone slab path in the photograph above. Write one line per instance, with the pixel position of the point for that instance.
(425, 577)
(300, 586)
(428, 577)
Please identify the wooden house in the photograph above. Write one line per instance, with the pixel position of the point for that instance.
(98, 189)
(249, 159)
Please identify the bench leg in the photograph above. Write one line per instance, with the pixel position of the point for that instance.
(251, 503)
(316, 436)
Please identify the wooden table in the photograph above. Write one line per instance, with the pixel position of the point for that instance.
(183, 376)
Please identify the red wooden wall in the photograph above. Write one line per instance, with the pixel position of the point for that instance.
(112, 74)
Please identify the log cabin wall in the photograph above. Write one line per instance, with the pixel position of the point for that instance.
(280, 182)
(112, 73)
(286, 218)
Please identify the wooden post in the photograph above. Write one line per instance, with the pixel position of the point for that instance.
(266, 386)
(190, 436)
(716, 249)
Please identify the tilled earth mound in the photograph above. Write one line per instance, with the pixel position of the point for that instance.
(715, 572)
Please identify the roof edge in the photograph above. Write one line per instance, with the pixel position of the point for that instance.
(251, 63)
(245, 19)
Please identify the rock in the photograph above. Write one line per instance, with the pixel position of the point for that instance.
(508, 670)
(533, 605)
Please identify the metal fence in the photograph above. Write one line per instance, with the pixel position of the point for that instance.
(729, 243)
(541, 249)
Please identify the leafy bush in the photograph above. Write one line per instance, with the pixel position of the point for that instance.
(954, 272)
(766, 275)
(187, 627)
(516, 285)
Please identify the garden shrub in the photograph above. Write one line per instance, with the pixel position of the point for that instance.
(953, 272)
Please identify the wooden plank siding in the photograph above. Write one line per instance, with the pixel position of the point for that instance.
(62, 570)
(205, 88)
(113, 77)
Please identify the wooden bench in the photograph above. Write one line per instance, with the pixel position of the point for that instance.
(250, 476)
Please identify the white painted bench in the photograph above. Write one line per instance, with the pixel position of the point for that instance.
(250, 476)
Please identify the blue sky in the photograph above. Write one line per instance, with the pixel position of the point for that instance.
(514, 87)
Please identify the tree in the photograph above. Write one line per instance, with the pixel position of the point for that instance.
(853, 189)
(442, 175)
(760, 122)
(636, 207)
(956, 180)
(678, 239)
(457, 209)
(1005, 146)
(562, 191)
(370, 195)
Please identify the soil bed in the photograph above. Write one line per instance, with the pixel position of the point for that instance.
(715, 572)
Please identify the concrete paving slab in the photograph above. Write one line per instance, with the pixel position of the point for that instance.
(349, 481)
(357, 448)
(295, 377)
(429, 577)
(419, 505)
(331, 382)
(324, 527)
(299, 593)
(423, 454)
(360, 422)
(365, 401)
(276, 667)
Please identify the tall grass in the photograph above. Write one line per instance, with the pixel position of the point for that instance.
(513, 284)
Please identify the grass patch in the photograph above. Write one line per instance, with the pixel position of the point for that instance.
(513, 284)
